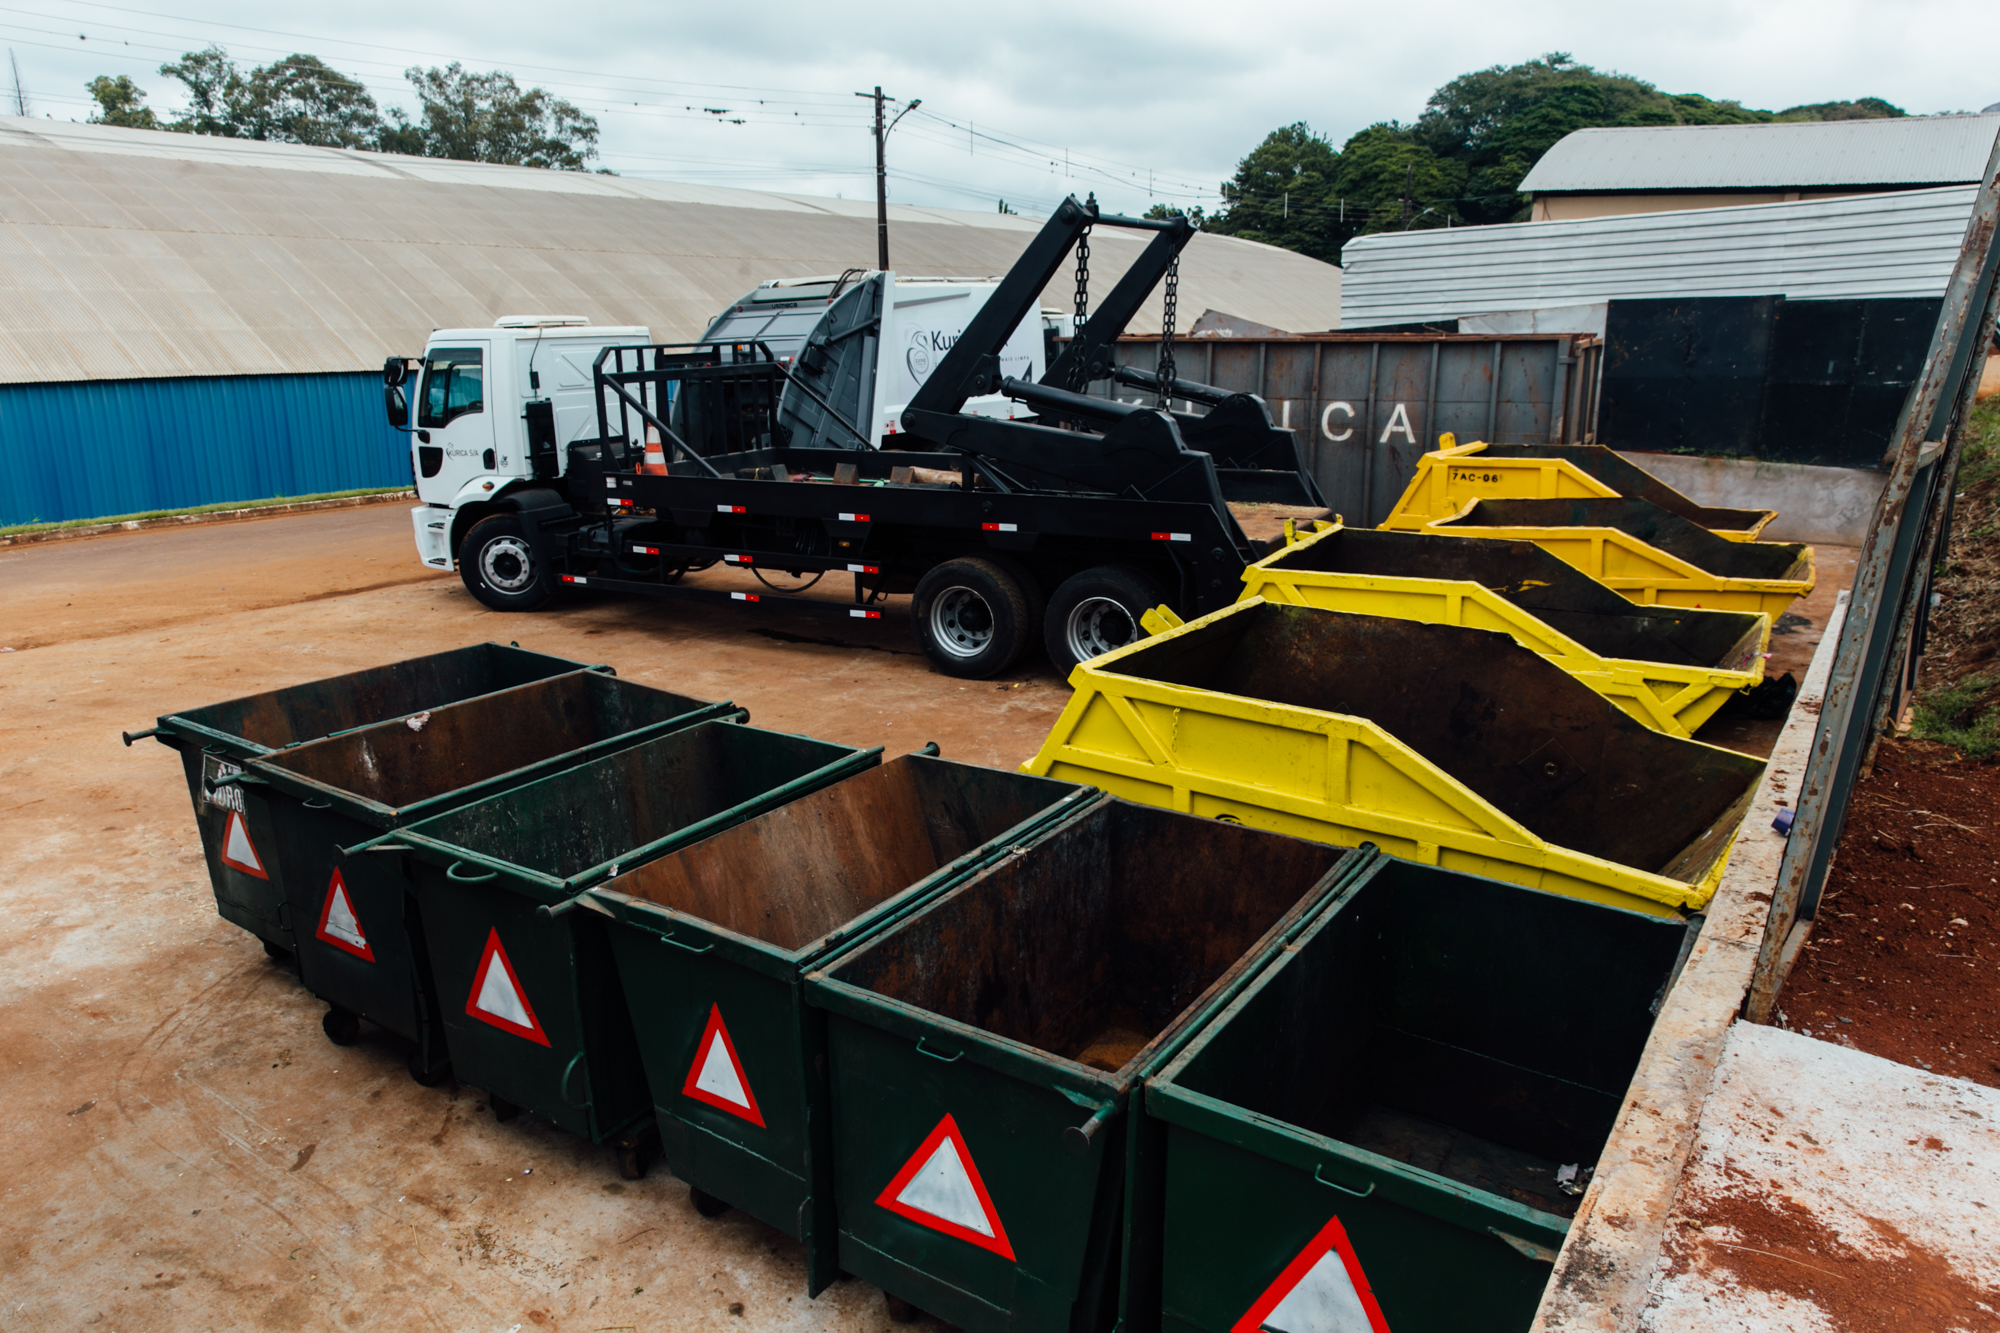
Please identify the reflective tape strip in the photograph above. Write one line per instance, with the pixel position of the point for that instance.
(864, 569)
(854, 518)
(645, 550)
(574, 578)
(730, 509)
(740, 559)
(999, 527)
(859, 614)
(744, 596)
(611, 483)
(1173, 536)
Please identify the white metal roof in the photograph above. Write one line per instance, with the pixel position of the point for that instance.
(130, 254)
(1913, 150)
(1899, 244)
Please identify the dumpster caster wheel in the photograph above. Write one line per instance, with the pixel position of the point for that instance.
(632, 1161)
(431, 1077)
(503, 1110)
(901, 1311)
(705, 1203)
(341, 1026)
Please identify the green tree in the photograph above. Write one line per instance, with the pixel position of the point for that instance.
(121, 102)
(1863, 108)
(1281, 192)
(1165, 211)
(489, 118)
(300, 99)
(1386, 165)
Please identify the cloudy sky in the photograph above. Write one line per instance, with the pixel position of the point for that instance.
(1025, 101)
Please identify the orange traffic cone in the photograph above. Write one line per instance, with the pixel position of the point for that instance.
(656, 458)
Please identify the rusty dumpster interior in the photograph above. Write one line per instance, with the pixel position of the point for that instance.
(319, 708)
(400, 763)
(804, 870)
(1558, 594)
(1535, 742)
(1650, 524)
(598, 811)
(1093, 943)
(1628, 479)
(1478, 1030)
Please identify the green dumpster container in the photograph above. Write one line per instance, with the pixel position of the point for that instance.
(984, 1051)
(1388, 1126)
(214, 741)
(715, 942)
(355, 938)
(530, 999)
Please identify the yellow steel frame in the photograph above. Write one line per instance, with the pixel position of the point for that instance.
(1668, 698)
(1453, 475)
(1332, 778)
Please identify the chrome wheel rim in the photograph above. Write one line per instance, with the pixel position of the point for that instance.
(961, 623)
(507, 564)
(1096, 626)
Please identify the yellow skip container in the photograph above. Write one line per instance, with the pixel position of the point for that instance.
(1646, 554)
(1669, 667)
(1454, 475)
(1451, 746)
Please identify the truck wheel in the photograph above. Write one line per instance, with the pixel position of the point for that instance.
(973, 618)
(501, 568)
(1095, 612)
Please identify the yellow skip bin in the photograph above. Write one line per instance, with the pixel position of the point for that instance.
(1646, 554)
(1669, 667)
(1454, 475)
(1438, 743)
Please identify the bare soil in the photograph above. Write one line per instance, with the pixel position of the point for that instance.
(1904, 957)
(1965, 627)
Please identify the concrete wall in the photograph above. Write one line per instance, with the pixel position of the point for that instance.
(1831, 505)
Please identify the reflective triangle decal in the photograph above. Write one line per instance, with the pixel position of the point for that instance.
(497, 997)
(338, 925)
(1323, 1290)
(716, 1076)
(237, 853)
(939, 1187)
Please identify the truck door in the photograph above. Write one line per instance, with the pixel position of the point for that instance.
(454, 439)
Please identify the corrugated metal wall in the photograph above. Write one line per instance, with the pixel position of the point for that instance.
(1365, 408)
(87, 450)
(1879, 245)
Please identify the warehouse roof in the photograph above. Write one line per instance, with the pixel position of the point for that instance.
(131, 254)
(1871, 245)
(1820, 154)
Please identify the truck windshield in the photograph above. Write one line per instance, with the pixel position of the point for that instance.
(454, 384)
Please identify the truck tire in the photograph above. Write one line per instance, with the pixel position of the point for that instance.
(973, 617)
(501, 567)
(1096, 611)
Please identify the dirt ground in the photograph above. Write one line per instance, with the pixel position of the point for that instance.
(1904, 958)
(183, 1148)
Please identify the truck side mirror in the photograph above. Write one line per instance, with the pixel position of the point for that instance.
(397, 406)
(395, 370)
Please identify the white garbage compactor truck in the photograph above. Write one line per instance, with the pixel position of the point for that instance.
(910, 433)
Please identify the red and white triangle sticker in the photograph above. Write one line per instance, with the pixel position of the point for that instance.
(237, 853)
(1323, 1290)
(497, 997)
(338, 925)
(940, 1188)
(716, 1076)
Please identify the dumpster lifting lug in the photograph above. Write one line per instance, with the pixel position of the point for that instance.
(451, 873)
(569, 1070)
(550, 911)
(129, 736)
(936, 1055)
(1344, 1189)
(1077, 1138)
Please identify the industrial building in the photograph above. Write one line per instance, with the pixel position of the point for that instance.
(1662, 168)
(188, 320)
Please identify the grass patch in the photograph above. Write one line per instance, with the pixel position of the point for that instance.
(1952, 715)
(1979, 460)
(19, 529)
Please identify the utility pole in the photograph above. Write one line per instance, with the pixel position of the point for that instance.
(882, 172)
(1409, 179)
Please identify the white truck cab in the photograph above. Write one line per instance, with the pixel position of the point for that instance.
(469, 409)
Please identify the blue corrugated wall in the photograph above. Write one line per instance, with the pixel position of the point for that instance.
(95, 448)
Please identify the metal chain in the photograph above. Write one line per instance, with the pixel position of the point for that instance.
(1082, 302)
(1168, 316)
